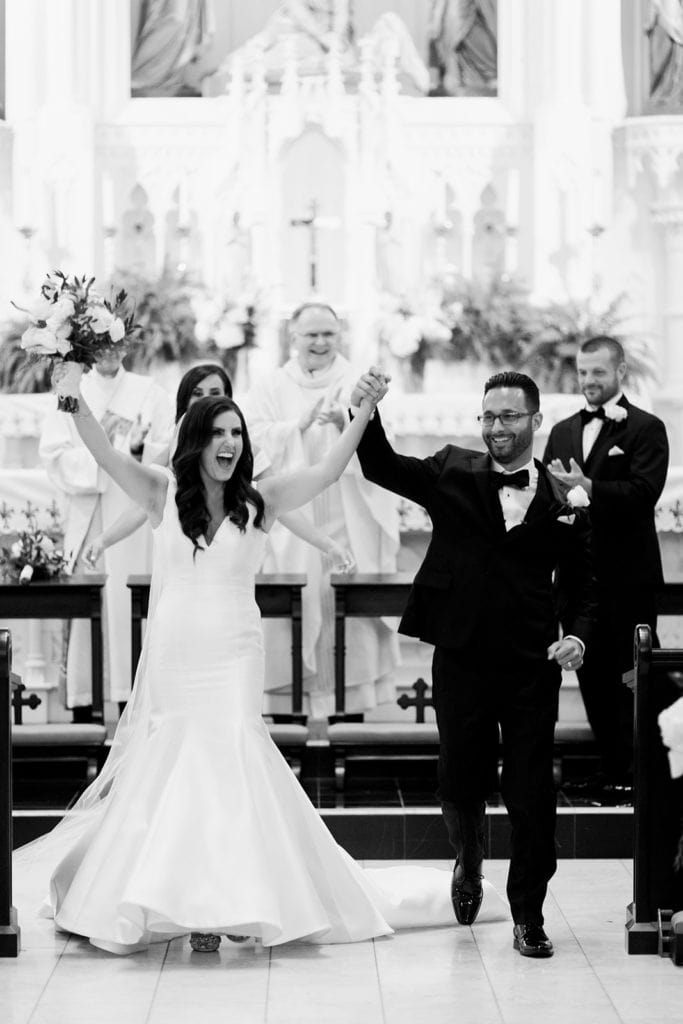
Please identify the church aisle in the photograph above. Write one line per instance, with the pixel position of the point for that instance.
(441, 975)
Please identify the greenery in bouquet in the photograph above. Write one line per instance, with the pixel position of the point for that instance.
(32, 555)
(70, 321)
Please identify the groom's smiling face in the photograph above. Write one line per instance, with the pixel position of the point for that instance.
(510, 443)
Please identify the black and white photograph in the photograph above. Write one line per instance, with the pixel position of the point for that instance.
(341, 511)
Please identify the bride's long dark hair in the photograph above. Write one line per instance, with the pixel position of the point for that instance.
(238, 493)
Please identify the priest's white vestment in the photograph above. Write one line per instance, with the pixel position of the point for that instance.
(355, 513)
(93, 503)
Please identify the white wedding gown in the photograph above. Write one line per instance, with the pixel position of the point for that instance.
(203, 826)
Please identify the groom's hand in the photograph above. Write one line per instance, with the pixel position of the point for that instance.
(372, 387)
(568, 653)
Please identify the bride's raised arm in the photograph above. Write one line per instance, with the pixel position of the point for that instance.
(144, 485)
(288, 491)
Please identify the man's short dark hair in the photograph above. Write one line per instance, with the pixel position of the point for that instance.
(615, 348)
(312, 305)
(513, 379)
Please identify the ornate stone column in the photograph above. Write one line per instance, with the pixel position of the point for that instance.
(669, 217)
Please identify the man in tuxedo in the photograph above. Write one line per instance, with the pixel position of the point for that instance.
(486, 598)
(619, 454)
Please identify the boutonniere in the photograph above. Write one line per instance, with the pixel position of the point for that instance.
(616, 413)
(577, 497)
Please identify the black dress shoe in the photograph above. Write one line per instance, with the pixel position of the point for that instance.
(531, 940)
(467, 893)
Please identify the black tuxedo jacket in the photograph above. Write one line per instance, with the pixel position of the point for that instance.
(478, 580)
(627, 466)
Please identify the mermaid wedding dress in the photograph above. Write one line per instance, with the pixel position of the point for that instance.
(197, 823)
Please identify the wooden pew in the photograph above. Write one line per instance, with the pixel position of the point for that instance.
(10, 933)
(71, 597)
(385, 594)
(658, 807)
(278, 596)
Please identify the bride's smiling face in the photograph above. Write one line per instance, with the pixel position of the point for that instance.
(224, 450)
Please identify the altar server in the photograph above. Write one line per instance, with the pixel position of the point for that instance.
(137, 416)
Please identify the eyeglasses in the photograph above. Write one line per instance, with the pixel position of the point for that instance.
(507, 419)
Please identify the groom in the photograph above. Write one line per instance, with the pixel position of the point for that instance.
(508, 560)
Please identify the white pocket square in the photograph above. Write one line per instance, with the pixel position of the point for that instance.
(615, 450)
(567, 519)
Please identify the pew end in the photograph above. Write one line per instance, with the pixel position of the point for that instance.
(10, 932)
(654, 919)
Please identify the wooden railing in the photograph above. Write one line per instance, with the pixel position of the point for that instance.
(658, 804)
(9, 927)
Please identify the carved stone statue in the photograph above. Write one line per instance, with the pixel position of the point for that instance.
(463, 47)
(170, 47)
(665, 35)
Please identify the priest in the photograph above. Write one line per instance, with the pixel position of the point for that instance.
(295, 415)
(137, 415)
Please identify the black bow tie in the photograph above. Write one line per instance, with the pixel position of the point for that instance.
(518, 479)
(592, 414)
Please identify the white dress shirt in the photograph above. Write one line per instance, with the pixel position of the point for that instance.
(515, 501)
(593, 427)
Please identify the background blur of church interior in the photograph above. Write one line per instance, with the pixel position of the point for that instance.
(473, 185)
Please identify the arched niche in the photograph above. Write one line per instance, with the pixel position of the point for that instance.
(321, 196)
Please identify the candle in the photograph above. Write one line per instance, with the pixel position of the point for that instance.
(183, 205)
(108, 204)
(598, 201)
(512, 212)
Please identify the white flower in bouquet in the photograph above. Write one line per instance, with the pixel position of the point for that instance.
(117, 331)
(16, 549)
(41, 341)
(101, 319)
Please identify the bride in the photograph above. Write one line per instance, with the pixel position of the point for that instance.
(196, 823)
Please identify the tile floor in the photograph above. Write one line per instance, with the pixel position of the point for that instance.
(455, 975)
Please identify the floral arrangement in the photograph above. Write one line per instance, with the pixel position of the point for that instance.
(71, 322)
(494, 323)
(166, 317)
(33, 552)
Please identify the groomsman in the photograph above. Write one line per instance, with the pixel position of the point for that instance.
(484, 596)
(619, 454)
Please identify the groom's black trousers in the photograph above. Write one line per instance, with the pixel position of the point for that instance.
(475, 691)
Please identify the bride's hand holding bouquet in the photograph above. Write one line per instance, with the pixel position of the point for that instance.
(73, 325)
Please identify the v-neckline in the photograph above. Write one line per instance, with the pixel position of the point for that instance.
(210, 543)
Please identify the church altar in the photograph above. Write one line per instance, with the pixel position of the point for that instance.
(355, 157)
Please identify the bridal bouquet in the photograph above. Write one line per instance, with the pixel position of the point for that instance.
(33, 554)
(72, 323)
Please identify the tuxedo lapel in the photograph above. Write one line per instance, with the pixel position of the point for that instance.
(576, 429)
(481, 471)
(545, 498)
(609, 435)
